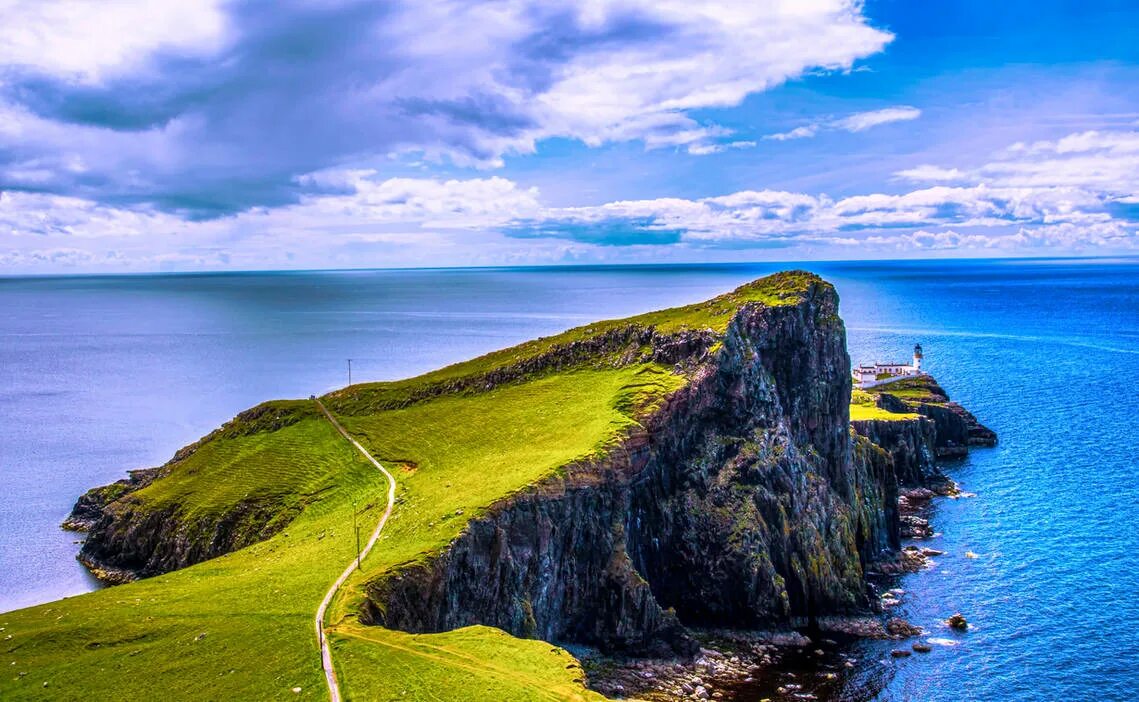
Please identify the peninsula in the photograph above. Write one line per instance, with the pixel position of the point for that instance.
(621, 487)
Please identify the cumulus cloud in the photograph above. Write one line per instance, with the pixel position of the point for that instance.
(205, 109)
(857, 122)
(1102, 162)
(91, 41)
(354, 213)
(43, 216)
(1077, 193)
(763, 217)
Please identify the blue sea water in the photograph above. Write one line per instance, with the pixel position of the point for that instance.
(102, 374)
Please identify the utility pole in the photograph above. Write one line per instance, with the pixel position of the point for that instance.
(356, 528)
(349, 371)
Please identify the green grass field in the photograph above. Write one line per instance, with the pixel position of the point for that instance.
(909, 389)
(255, 606)
(239, 627)
(862, 408)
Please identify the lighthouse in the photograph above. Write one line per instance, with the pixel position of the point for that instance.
(917, 357)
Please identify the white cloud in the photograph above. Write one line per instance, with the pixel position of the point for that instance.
(805, 132)
(210, 108)
(351, 216)
(715, 54)
(862, 121)
(704, 149)
(927, 172)
(1101, 162)
(42, 215)
(83, 40)
(450, 204)
(857, 122)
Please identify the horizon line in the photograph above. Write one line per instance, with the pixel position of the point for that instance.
(577, 266)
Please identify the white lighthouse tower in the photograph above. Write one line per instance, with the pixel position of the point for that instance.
(917, 358)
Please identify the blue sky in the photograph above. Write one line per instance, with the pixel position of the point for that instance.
(141, 136)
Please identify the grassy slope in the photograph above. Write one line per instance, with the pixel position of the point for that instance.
(507, 439)
(258, 467)
(779, 289)
(909, 389)
(862, 407)
(254, 607)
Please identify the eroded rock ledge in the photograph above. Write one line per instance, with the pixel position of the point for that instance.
(943, 430)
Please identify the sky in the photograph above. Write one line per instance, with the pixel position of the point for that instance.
(247, 135)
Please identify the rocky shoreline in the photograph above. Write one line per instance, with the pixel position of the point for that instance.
(812, 662)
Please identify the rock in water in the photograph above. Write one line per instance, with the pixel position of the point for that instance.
(900, 628)
(958, 622)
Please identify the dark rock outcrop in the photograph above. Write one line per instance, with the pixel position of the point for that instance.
(955, 427)
(943, 430)
(91, 506)
(911, 444)
(744, 502)
(131, 540)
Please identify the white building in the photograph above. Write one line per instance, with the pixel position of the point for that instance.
(870, 374)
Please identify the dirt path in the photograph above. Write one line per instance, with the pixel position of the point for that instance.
(325, 649)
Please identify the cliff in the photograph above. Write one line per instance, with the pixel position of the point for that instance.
(162, 519)
(942, 428)
(737, 496)
(741, 502)
(912, 445)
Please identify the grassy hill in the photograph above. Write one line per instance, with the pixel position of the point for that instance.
(240, 626)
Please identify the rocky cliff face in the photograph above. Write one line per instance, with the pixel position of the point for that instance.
(912, 445)
(946, 429)
(129, 539)
(744, 502)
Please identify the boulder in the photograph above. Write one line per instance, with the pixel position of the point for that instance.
(900, 628)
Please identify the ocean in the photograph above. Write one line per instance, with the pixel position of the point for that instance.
(103, 374)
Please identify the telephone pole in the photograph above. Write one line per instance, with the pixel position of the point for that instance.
(349, 371)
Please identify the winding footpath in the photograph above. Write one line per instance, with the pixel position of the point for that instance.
(325, 649)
